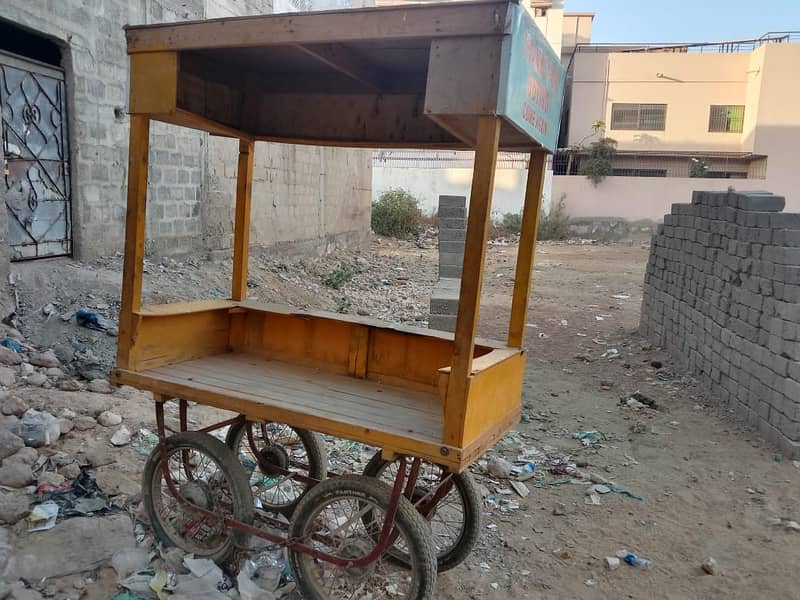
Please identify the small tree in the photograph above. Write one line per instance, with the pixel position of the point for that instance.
(396, 214)
(599, 164)
(554, 225)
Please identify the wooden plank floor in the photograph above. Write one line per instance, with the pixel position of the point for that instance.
(361, 402)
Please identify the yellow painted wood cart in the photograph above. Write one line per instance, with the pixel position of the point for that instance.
(476, 75)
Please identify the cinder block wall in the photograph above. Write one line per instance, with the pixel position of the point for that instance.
(722, 296)
(191, 191)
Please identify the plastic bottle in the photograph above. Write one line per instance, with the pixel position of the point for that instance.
(635, 561)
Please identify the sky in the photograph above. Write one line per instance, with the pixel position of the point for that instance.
(686, 20)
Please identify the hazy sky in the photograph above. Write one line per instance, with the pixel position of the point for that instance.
(686, 20)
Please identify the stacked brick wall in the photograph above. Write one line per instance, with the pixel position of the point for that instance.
(452, 218)
(722, 296)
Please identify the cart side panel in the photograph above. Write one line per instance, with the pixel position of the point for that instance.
(300, 339)
(494, 395)
(400, 358)
(167, 339)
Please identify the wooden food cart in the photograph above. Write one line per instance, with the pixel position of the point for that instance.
(475, 75)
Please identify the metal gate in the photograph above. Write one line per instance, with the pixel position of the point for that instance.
(36, 152)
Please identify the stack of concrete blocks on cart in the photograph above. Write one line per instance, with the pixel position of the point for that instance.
(452, 219)
(722, 296)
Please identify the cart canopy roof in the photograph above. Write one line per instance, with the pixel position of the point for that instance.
(412, 76)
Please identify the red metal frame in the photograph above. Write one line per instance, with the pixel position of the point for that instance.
(388, 532)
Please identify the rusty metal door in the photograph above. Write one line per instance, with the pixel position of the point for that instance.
(36, 152)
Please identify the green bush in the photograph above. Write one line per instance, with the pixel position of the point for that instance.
(554, 225)
(339, 276)
(396, 214)
(513, 222)
(598, 165)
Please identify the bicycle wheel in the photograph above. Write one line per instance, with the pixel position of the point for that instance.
(204, 472)
(330, 519)
(278, 448)
(456, 518)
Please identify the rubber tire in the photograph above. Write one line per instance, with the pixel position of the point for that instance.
(415, 529)
(315, 452)
(240, 489)
(466, 487)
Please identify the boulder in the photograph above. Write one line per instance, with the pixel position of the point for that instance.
(36, 379)
(69, 385)
(84, 423)
(14, 506)
(7, 376)
(26, 456)
(44, 359)
(54, 373)
(109, 419)
(100, 386)
(70, 471)
(121, 437)
(14, 406)
(9, 443)
(65, 425)
(9, 357)
(51, 478)
(15, 474)
(26, 369)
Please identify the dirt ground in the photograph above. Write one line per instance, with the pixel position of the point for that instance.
(709, 486)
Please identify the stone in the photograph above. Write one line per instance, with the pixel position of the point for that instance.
(69, 385)
(91, 543)
(26, 456)
(499, 468)
(98, 456)
(64, 353)
(65, 425)
(710, 566)
(9, 357)
(109, 419)
(51, 478)
(7, 376)
(54, 373)
(611, 563)
(84, 423)
(36, 379)
(70, 471)
(112, 331)
(44, 359)
(15, 474)
(100, 386)
(560, 509)
(7, 421)
(9, 443)
(14, 506)
(121, 437)
(26, 369)
(14, 406)
(65, 413)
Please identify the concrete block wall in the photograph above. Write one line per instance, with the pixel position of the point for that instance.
(722, 296)
(452, 218)
(190, 208)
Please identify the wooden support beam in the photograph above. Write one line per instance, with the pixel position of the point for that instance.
(527, 248)
(139, 148)
(480, 205)
(347, 61)
(241, 231)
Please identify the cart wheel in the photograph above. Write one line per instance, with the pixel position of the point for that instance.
(206, 473)
(332, 512)
(456, 518)
(279, 448)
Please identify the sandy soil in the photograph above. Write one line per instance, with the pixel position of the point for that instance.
(709, 486)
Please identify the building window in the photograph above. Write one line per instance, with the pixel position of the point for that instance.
(726, 118)
(641, 117)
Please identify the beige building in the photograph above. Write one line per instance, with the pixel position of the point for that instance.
(700, 116)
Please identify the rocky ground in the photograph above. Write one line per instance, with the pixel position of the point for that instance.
(700, 486)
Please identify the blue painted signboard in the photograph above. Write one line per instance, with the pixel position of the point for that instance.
(532, 81)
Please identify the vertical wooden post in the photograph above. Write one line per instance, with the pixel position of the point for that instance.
(527, 248)
(131, 301)
(480, 204)
(241, 228)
